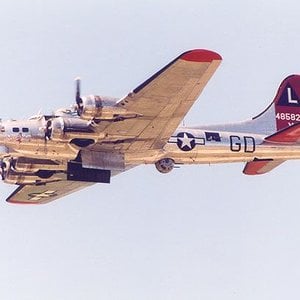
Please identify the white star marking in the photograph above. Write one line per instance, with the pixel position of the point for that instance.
(41, 195)
(186, 141)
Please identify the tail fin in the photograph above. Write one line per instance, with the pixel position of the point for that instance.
(282, 120)
(284, 111)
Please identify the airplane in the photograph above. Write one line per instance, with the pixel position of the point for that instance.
(51, 156)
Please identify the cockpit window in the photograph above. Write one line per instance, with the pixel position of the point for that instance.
(25, 129)
(15, 129)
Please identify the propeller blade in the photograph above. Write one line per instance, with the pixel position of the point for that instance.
(78, 98)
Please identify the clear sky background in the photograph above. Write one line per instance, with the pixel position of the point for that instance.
(200, 232)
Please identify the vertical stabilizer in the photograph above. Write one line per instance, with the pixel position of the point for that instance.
(284, 111)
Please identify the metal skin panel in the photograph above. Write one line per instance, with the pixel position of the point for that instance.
(42, 153)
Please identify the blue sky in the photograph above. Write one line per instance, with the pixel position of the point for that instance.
(201, 232)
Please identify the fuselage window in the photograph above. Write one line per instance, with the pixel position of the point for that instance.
(2, 129)
(15, 129)
(25, 129)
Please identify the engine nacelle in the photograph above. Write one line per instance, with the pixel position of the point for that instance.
(165, 165)
(102, 109)
(10, 174)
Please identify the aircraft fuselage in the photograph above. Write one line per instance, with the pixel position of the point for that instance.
(28, 138)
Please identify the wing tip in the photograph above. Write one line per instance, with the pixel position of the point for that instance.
(20, 202)
(200, 55)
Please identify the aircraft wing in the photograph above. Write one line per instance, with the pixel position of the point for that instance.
(162, 101)
(41, 194)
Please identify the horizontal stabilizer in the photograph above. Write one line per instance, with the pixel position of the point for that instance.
(289, 135)
(261, 166)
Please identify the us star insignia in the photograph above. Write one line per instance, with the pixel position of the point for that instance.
(185, 141)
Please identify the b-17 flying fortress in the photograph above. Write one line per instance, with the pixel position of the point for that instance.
(50, 156)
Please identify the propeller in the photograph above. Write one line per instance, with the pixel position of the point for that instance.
(78, 98)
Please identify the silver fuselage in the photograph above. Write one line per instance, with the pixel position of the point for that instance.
(26, 138)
